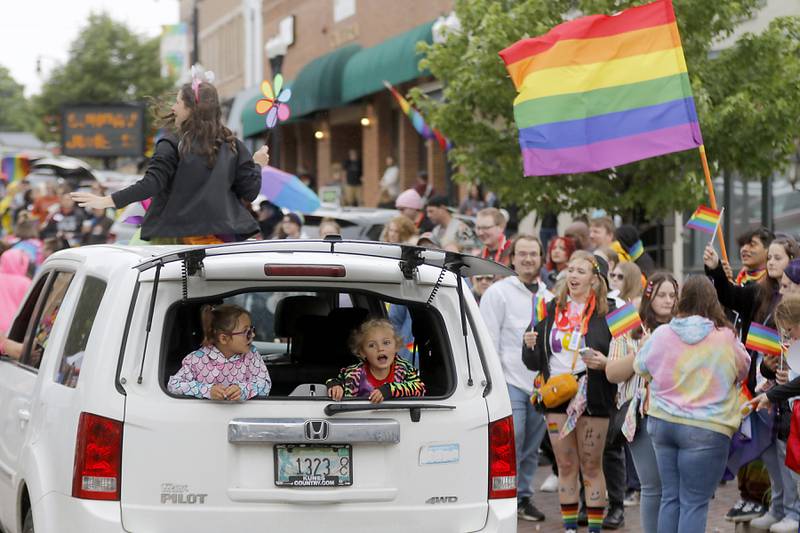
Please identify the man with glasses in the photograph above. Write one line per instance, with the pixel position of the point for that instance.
(507, 308)
(490, 225)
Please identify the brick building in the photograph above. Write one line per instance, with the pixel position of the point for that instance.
(334, 55)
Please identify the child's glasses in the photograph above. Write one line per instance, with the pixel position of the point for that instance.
(249, 332)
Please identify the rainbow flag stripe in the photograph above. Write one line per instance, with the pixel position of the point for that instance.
(601, 91)
(425, 131)
(623, 320)
(14, 167)
(704, 219)
(763, 339)
(539, 311)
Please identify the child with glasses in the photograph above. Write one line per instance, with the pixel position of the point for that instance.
(226, 366)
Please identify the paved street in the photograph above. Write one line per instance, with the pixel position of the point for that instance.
(548, 504)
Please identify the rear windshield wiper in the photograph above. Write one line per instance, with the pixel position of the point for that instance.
(415, 409)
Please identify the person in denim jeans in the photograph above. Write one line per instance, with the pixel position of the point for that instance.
(693, 364)
(658, 306)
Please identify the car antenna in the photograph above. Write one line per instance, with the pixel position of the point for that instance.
(150, 318)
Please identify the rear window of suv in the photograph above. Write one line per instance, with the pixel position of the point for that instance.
(303, 337)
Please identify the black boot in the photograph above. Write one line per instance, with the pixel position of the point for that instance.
(615, 518)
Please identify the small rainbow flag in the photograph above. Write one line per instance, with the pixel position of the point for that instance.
(14, 167)
(623, 320)
(704, 219)
(601, 91)
(539, 311)
(417, 121)
(763, 339)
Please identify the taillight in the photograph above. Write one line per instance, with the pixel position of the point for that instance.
(98, 458)
(502, 459)
(327, 271)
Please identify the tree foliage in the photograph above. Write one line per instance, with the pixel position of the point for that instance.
(108, 63)
(747, 99)
(15, 113)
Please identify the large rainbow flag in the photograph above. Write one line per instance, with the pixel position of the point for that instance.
(601, 91)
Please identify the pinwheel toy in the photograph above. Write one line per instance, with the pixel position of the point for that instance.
(274, 104)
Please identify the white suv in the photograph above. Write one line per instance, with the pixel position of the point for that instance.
(91, 439)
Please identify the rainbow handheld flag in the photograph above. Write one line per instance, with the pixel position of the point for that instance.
(539, 311)
(623, 320)
(14, 167)
(601, 91)
(763, 339)
(705, 219)
(425, 131)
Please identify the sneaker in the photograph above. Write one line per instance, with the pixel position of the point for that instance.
(787, 525)
(735, 510)
(632, 499)
(527, 511)
(764, 522)
(747, 512)
(615, 518)
(550, 484)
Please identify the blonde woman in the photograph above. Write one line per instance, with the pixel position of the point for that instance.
(574, 338)
(626, 282)
(400, 230)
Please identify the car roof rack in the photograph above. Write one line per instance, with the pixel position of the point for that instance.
(410, 257)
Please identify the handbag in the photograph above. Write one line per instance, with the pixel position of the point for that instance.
(793, 442)
(559, 389)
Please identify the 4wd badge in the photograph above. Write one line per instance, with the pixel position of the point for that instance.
(442, 499)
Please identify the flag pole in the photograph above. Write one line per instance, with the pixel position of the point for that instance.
(716, 230)
(713, 199)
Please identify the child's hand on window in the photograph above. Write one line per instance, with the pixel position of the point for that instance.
(217, 392)
(233, 393)
(376, 396)
(336, 392)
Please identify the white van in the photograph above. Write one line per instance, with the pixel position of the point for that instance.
(91, 439)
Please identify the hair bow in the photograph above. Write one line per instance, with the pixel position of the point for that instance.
(199, 76)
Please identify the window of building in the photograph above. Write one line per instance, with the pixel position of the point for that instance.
(343, 9)
(69, 369)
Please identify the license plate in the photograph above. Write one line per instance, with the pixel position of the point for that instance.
(313, 465)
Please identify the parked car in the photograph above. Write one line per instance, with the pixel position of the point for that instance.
(360, 223)
(92, 440)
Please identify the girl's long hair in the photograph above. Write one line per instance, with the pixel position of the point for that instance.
(768, 287)
(631, 281)
(648, 316)
(203, 132)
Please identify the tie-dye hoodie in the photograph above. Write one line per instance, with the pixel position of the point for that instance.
(693, 368)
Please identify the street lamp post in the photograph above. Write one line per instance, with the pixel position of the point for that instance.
(276, 50)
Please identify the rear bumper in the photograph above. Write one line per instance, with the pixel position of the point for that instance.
(502, 517)
(54, 510)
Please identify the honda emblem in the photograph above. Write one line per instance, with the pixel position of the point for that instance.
(316, 429)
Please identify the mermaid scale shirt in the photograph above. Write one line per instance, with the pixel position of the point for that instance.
(206, 367)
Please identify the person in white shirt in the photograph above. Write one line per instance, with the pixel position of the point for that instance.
(507, 308)
(390, 182)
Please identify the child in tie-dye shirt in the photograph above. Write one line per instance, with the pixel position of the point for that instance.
(227, 366)
(381, 373)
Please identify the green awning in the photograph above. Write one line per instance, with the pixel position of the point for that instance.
(395, 60)
(252, 122)
(319, 83)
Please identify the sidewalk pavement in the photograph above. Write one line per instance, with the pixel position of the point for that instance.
(547, 502)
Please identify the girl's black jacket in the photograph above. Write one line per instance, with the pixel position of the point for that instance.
(600, 393)
(191, 199)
